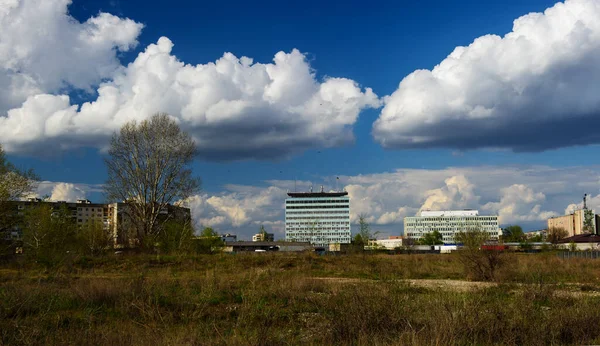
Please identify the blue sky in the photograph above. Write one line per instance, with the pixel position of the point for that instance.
(375, 45)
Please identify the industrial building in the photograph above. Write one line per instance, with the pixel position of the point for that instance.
(575, 223)
(320, 218)
(449, 223)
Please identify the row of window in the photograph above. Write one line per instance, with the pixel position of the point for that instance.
(455, 224)
(318, 229)
(316, 201)
(316, 224)
(445, 234)
(319, 221)
(328, 239)
(345, 219)
(317, 212)
(456, 218)
(317, 207)
(455, 228)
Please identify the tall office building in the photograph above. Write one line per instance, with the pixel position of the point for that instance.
(321, 218)
(450, 222)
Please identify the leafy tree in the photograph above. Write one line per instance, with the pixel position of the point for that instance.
(49, 235)
(478, 263)
(588, 221)
(572, 246)
(525, 246)
(15, 184)
(358, 240)
(148, 166)
(513, 234)
(209, 241)
(175, 236)
(536, 238)
(555, 234)
(431, 238)
(263, 233)
(94, 239)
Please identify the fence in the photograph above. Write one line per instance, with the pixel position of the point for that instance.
(578, 254)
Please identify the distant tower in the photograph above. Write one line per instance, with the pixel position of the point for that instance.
(585, 201)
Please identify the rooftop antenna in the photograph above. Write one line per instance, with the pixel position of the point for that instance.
(322, 190)
(311, 188)
(337, 180)
(585, 201)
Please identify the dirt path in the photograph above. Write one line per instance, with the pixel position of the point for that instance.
(572, 289)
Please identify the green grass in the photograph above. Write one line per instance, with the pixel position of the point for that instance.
(276, 299)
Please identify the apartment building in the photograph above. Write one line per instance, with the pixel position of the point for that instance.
(113, 217)
(320, 218)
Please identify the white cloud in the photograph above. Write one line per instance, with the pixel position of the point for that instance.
(45, 50)
(68, 192)
(529, 90)
(519, 203)
(525, 195)
(593, 203)
(242, 208)
(233, 107)
(456, 194)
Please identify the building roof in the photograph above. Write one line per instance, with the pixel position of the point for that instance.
(265, 243)
(429, 213)
(581, 238)
(318, 194)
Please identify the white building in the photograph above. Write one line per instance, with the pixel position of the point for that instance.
(321, 218)
(450, 222)
(388, 244)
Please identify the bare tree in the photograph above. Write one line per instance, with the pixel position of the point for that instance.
(148, 167)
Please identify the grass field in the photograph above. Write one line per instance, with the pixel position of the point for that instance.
(285, 299)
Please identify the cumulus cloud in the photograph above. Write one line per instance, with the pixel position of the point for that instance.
(593, 202)
(529, 90)
(240, 206)
(519, 202)
(45, 50)
(68, 192)
(456, 194)
(233, 107)
(525, 195)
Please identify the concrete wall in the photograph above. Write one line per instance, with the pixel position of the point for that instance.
(566, 222)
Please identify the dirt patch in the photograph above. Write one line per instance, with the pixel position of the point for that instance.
(572, 290)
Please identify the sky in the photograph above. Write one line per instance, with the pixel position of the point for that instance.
(413, 105)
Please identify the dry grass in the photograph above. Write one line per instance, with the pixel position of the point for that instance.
(274, 299)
